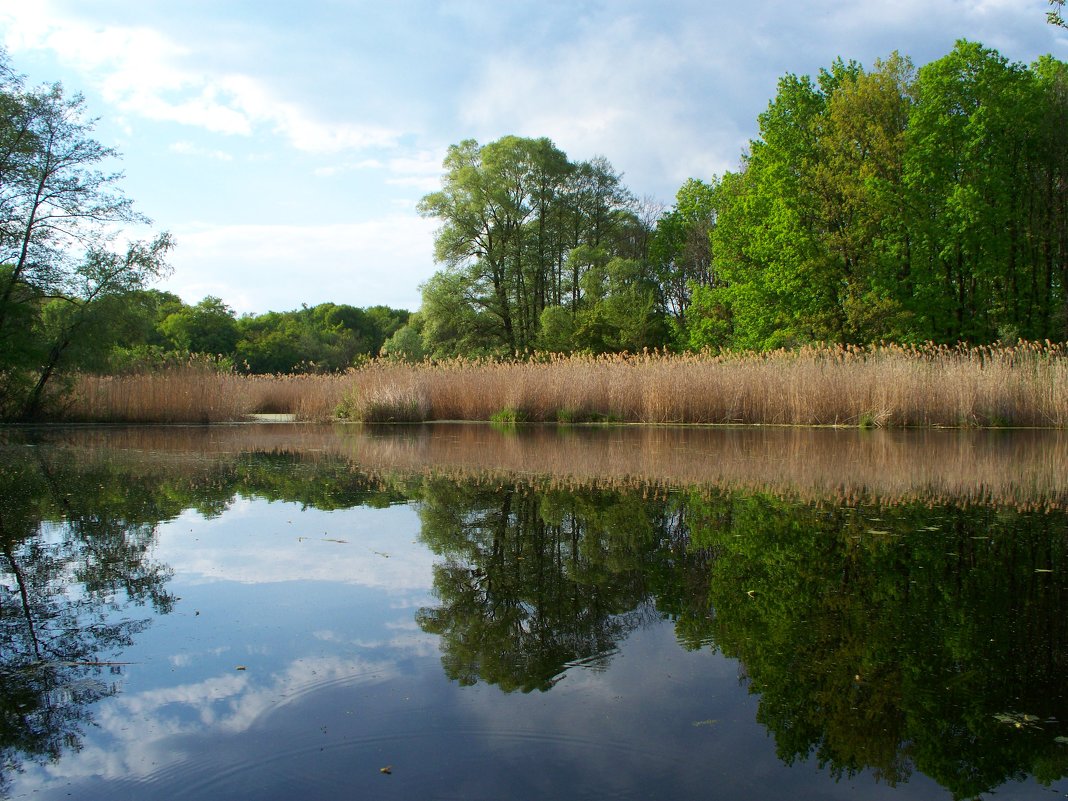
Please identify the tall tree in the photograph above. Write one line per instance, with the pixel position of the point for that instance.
(520, 226)
(60, 214)
(896, 204)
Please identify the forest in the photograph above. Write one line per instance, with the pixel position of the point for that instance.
(891, 203)
(884, 204)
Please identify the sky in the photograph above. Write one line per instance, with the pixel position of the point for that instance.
(286, 145)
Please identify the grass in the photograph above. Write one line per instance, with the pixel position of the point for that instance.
(881, 386)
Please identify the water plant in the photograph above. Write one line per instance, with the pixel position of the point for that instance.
(1024, 384)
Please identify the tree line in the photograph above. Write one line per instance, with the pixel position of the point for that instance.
(155, 328)
(890, 203)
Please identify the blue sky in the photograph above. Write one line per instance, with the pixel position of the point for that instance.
(285, 145)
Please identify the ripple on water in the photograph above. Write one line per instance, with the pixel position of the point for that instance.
(330, 740)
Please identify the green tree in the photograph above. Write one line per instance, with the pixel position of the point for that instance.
(406, 343)
(965, 174)
(514, 214)
(59, 214)
(1054, 15)
(681, 250)
(208, 327)
(892, 203)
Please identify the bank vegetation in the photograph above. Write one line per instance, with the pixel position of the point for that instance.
(1025, 384)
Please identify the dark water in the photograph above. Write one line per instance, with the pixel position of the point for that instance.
(286, 612)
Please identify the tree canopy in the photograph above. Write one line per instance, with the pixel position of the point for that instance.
(899, 204)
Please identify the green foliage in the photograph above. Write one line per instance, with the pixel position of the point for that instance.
(509, 415)
(61, 279)
(208, 327)
(526, 238)
(406, 343)
(680, 251)
(892, 204)
(324, 338)
(1055, 16)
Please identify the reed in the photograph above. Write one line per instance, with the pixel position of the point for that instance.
(881, 386)
(195, 393)
(886, 385)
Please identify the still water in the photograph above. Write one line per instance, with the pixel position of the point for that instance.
(463, 612)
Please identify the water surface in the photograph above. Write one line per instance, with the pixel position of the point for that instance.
(468, 612)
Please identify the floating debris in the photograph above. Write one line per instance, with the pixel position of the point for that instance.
(1018, 720)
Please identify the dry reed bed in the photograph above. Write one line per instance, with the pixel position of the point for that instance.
(1022, 385)
(193, 395)
(1021, 469)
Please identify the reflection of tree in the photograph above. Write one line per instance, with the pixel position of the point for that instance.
(898, 638)
(63, 586)
(893, 639)
(535, 581)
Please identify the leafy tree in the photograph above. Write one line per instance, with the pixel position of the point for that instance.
(209, 327)
(59, 213)
(681, 249)
(521, 225)
(891, 203)
(406, 343)
(1054, 15)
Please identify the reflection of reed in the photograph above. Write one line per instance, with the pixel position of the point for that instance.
(1019, 468)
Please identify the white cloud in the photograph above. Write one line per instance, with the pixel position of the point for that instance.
(224, 704)
(421, 170)
(144, 73)
(189, 149)
(379, 260)
(618, 91)
(305, 547)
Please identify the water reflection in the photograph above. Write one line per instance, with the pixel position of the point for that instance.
(74, 555)
(882, 628)
(885, 637)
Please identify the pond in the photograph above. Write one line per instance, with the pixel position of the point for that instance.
(462, 611)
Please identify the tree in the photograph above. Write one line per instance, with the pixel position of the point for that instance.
(59, 217)
(406, 343)
(514, 214)
(681, 249)
(891, 203)
(209, 327)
